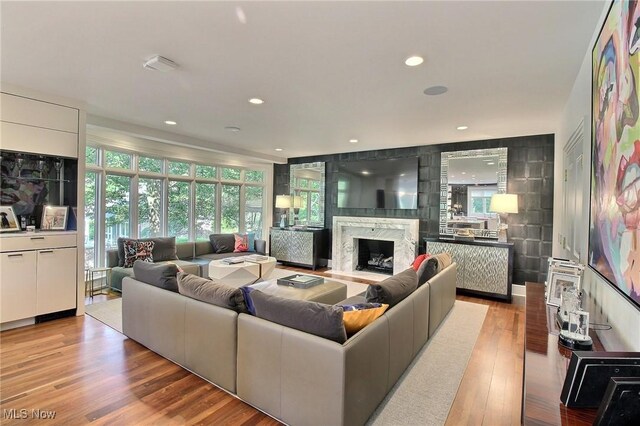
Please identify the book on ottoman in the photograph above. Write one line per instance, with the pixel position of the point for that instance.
(300, 281)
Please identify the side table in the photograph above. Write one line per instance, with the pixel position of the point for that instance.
(91, 275)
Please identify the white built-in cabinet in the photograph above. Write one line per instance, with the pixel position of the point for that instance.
(39, 272)
(39, 279)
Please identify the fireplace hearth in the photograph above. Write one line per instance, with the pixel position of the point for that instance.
(375, 256)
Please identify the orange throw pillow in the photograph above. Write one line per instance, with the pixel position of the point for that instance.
(357, 317)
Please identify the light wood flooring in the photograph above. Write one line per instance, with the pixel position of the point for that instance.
(88, 373)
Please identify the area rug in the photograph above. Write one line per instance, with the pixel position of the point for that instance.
(426, 390)
(109, 312)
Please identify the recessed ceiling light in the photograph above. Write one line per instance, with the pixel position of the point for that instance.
(435, 90)
(232, 128)
(462, 127)
(365, 172)
(403, 174)
(491, 163)
(413, 61)
(278, 149)
(256, 101)
(170, 122)
(353, 140)
(464, 173)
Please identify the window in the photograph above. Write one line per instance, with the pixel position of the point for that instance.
(230, 173)
(178, 210)
(90, 218)
(254, 176)
(149, 164)
(144, 195)
(253, 209)
(149, 208)
(117, 213)
(208, 172)
(178, 168)
(117, 160)
(92, 155)
(205, 215)
(480, 199)
(230, 209)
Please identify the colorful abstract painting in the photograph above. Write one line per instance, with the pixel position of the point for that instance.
(614, 246)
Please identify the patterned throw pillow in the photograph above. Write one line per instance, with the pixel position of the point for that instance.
(137, 250)
(358, 316)
(242, 243)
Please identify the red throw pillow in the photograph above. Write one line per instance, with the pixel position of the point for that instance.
(416, 263)
(242, 243)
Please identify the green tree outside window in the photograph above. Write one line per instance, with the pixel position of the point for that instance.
(149, 164)
(205, 213)
(178, 210)
(117, 160)
(230, 209)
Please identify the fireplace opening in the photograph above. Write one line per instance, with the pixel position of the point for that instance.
(375, 256)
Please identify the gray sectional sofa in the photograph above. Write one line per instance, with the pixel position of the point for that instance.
(294, 376)
(191, 257)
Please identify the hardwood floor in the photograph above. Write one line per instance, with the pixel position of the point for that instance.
(87, 372)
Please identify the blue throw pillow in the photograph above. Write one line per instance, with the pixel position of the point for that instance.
(251, 239)
(246, 293)
(360, 306)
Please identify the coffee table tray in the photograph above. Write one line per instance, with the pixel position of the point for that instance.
(300, 281)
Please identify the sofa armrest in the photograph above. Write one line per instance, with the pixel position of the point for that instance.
(260, 246)
(442, 295)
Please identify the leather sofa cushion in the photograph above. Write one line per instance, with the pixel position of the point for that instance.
(159, 275)
(222, 243)
(392, 290)
(432, 266)
(164, 248)
(215, 293)
(311, 317)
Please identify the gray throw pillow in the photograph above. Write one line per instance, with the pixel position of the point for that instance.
(162, 275)
(432, 266)
(311, 317)
(164, 248)
(212, 292)
(222, 243)
(394, 289)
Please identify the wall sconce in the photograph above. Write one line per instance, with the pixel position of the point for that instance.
(283, 202)
(503, 204)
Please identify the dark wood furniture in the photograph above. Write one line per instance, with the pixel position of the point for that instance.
(545, 366)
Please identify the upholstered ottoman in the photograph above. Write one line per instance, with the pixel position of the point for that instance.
(329, 292)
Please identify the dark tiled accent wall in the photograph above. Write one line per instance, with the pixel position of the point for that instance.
(529, 174)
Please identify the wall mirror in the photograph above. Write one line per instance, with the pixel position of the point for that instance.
(468, 179)
(307, 183)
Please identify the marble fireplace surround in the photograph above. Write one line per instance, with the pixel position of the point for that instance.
(347, 230)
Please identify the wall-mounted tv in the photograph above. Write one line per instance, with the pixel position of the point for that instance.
(379, 184)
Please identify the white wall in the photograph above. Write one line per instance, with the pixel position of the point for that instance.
(604, 303)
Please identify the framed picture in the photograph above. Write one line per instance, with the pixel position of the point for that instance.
(54, 218)
(8, 220)
(559, 283)
(614, 230)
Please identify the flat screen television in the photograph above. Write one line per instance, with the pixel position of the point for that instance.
(379, 184)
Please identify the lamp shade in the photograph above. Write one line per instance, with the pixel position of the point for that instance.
(504, 203)
(297, 202)
(283, 201)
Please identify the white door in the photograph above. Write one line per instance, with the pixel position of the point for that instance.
(17, 285)
(56, 280)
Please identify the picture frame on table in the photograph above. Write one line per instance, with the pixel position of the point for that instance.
(558, 284)
(54, 218)
(8, 220)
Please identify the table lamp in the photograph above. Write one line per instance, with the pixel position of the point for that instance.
(297, 205)
(503, 204)
(283, 202)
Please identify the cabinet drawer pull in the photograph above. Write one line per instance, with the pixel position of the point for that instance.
(37, 238)
(15, 255)
(46, 251)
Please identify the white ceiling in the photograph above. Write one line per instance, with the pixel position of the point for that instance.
(328, 71)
